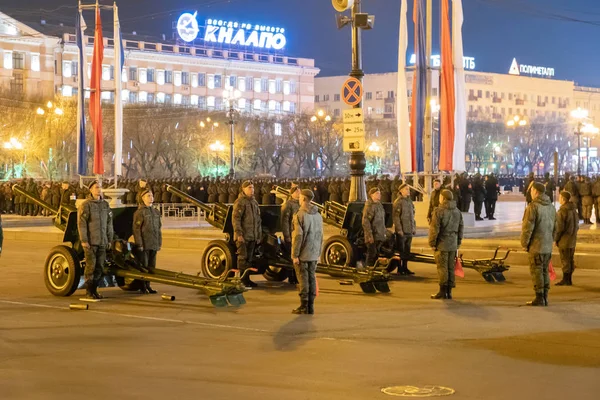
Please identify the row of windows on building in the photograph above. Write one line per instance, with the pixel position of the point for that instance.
(16, 60)
(518, 96)
(518, 111)
(202, 102)
(183, 78)
(368, 96)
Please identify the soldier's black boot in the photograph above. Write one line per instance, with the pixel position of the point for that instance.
(97, 295)
(303, 309)
(405, 269)
(441, 294)
(89, 290)
(310, 306)
(546, 297)
(149, 289)
(566, 280)
(449, 292)
(538, 301)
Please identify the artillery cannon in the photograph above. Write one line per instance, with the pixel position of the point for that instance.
(64, 265)
(349, 248)
(273, 261)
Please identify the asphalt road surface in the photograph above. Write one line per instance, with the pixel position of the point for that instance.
(485, 344)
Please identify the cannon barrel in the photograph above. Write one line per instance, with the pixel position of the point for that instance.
(204, 207)
(29, 196)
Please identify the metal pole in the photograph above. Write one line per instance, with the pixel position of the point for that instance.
(358, 162)
(578, 150)
(217, 162)
(427, 134)
(231, 143)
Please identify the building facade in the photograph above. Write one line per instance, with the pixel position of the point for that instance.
(40, 60)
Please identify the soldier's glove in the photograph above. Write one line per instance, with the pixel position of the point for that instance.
(108, 246)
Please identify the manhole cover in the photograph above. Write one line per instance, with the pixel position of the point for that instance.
(414, 391)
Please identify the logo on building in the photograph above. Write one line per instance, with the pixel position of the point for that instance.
(468, 62)
(187, 27)
(518, 69)
(244, 34)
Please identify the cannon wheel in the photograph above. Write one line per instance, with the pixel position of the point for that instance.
(276, 274)
(338, 250)
(218, 258)
(62, 271)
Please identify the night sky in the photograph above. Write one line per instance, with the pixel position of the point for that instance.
(552, 33)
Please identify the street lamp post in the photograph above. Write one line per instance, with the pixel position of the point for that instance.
(216, 147)
(231, 96)
(320, 116)
(13, 145)
(374, 149)
(359, 21)
(579, 115)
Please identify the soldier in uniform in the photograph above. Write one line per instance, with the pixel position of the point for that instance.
(445, 237)
(373, 223)
(587, 201)
(234, 190)
(386, 190)
(492, 189)
(345, 191)
(596, 195)
(290, 208)
(434, 201)
(223, 189)
(147, 234)
(565, 236)
(395, 187)
(572, 187)
(536, 239)
(404, 226)
(213, 193)
(307, 240)
(139, 188)
(478, 196)
(466, 193)
(247, 230)
(550, 186)
(94, 222)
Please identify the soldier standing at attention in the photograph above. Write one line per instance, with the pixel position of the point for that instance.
(565, 236)
(307, 240)
(445, 237)
(434, 201)
(596, 195)
(373, 223)
(147, 234)
(94, 222)
(405, 227)
(247, 230)
(290, 208)
(536, 239)
(587, 200)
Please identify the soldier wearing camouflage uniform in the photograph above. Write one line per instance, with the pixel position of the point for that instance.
(445, 237)
(565, 236)
(373, 223)
(596, 196)
(307, 240)
(94, 222)
(587, 201)
(147, 234)
(247, 230)
(536, 239)
(290, 208)
(405, 227)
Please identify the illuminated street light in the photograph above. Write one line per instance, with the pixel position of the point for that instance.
(40, 111)
(216, 147)
(58, 111)
(435, 107)
(202, 124)
(49, 104)
(313, 118)
(579, 115)
(522, 122)
(516, 121)
(374, 148)
(328, 118)
(320, 113)
(13, 144)
(216, 124)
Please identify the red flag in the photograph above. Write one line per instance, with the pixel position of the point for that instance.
(458, 268)
(95, 96)
(447, 99)
(551, 271)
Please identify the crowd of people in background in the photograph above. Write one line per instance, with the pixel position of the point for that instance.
(476, 193)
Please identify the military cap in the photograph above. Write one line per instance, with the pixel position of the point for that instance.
(246, 184)
(566, 195)
(447, 194)
(293, 189)
(92, 184)
(402, 186)
(145, 192)
(539, 187)
(373, 190)
(308, 194)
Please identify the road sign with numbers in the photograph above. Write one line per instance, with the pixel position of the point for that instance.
(353, 116)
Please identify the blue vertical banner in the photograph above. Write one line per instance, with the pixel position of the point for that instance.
(81, 72)
(421, 82)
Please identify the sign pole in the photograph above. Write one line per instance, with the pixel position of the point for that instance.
(358, 162)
